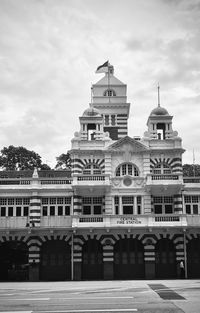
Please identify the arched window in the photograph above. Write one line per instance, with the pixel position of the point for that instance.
(127, 169)
(109, 93)
(92, 169)
(162, 168)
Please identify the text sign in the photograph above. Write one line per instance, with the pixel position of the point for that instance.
(128, 220)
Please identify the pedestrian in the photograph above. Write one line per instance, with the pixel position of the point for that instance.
(182, 269)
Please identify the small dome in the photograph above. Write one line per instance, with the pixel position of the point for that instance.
(91, 112)
(159, 111)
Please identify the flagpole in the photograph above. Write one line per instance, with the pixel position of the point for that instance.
(91, 95)
(109, 80)
(193, 163)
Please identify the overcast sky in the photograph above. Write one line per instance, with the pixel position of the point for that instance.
(50, 49)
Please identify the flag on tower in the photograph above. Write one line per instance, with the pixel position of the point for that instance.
(103, 68)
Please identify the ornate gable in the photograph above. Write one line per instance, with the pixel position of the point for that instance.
(128, 144)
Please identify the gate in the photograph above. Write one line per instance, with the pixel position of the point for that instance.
(92, 260)
(13, 261)
(129, 259)
(165, 255)
(193, 258)
(55, 261)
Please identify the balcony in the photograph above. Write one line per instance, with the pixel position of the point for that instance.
(192, 182)
(20, 222)
(164, 183)
(96, 182)
(29, 183)
(129, 221)
(56, 221)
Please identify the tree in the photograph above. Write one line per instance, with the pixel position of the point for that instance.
(63, 161)
(190, 170)
(19, 158)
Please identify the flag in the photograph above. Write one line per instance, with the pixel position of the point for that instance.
(103, 68)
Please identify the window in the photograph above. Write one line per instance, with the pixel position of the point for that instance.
(15, 206)
(162, 168)
(127, 169)
(3, 211)
(56, 206)
(113, 120)
(106, 119)
(192, 204)
(163, 205)
(109, 93)
(92, 205)
(92, 169)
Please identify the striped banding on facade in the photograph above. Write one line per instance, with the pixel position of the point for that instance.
(77, 204)
(78, 165)
(178, 203)
(174, 164)
(122, 125)
(35, 211)
(108, 254)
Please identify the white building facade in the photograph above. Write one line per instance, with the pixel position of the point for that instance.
(124, 211)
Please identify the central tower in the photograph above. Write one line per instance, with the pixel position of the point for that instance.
(109, 97)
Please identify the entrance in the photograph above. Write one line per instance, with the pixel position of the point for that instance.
(13, 261)
(129, 259)
(165, 259)
(92, 260)
(193, 258)
(55, 261)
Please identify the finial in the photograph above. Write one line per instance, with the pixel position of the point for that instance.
(158, 95)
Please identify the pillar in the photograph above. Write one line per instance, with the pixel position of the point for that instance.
(108, 262)
(149, 259)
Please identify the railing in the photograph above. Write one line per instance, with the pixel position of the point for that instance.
(168, 218)
(90, 177)
(18, 181)
(164, 177)
(130, 221)
(14, 181)
(98, 219)
(102, 221)
(55, 182)
(192, 180)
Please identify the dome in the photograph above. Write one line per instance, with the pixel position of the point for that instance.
(91, 112)
(159, 111)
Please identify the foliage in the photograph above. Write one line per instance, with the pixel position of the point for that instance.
(19, 158)
(190, 170)
(63, 161)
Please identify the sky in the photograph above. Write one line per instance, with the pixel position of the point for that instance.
(50, 49)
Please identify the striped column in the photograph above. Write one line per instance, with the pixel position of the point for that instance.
(35, 210)
(34, 258)
(108, 260)
(122, 125)
(178, 204)
(77, 204)
(149, 259)
(77, 258)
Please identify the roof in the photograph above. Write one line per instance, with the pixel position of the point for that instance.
(159, 111)
(112, 81)
(29, 174)
(138, 146)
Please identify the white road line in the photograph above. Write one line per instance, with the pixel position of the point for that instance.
(26, 299)
(93, 310)
(16, 311)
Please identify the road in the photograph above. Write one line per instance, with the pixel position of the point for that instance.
(166, 296)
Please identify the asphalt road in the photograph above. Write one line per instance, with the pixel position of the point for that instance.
(105, 296)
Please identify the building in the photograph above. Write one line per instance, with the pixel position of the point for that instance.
(124, 211)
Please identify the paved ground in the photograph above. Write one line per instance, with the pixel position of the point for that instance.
(166, 296)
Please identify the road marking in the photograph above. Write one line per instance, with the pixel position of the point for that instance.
(165, 292)
(93, 310)
(30, 299)
(16, 311)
